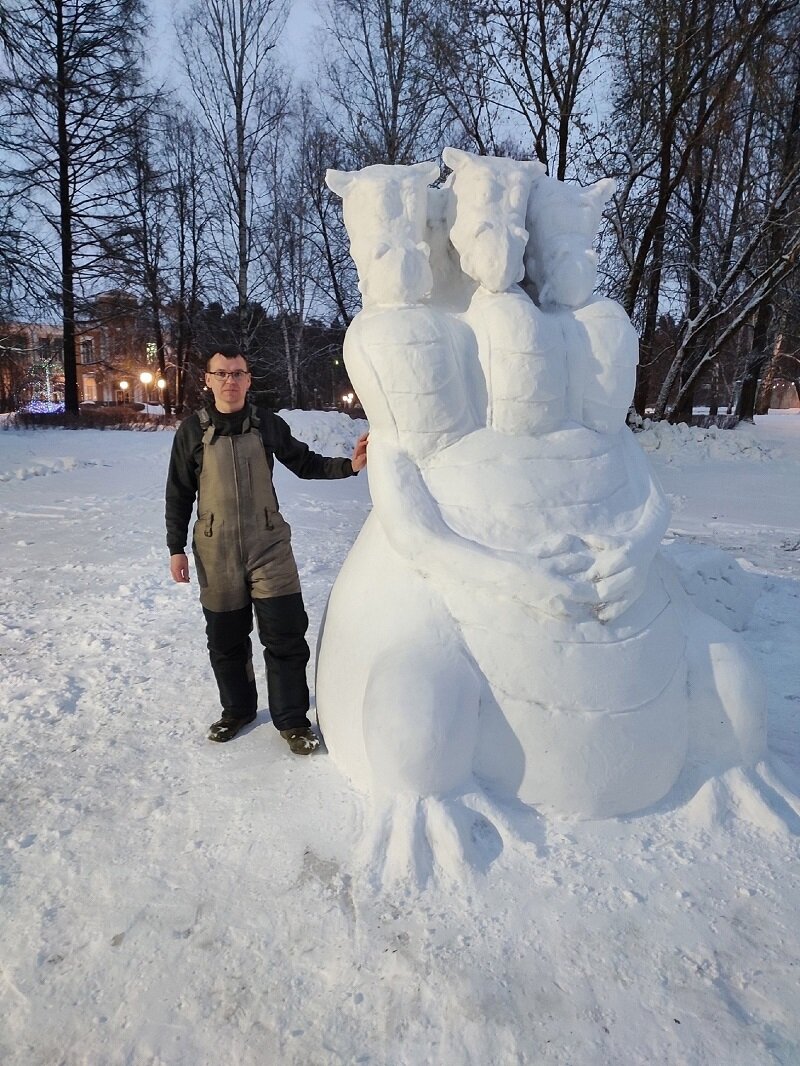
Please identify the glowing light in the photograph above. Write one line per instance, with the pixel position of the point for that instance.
(146, 377)
(123, 386)
(161, 383)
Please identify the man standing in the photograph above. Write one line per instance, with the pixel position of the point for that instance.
(224, 455)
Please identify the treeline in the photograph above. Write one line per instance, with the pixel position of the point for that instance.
(209, 202)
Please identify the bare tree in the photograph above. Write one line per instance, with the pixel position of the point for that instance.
(540, 60)
(463, 70)
(336, 293)
(187, 186)
(381, 98)
(228, 47)
(301, 251)
(779, 257)
(69, 95)
(137, 240)
(679, 67)
(26, 264)
(743, 237)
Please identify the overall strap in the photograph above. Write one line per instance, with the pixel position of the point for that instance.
(251, 420)
(206, 425)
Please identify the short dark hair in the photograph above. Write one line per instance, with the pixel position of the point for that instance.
(226, 352)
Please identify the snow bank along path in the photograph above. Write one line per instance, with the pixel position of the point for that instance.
(168, 901)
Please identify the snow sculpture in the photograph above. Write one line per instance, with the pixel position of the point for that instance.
(504, 619)
(602, 346)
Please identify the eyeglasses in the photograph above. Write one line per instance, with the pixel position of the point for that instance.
(234, 375)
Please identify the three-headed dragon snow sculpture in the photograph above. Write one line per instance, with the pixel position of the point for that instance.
(504, 621)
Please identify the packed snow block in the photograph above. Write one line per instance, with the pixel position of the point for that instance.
(598, 764)
(488, 226)
(730, 693)
(397, 621)
(505, 619)
(421, 719)
(602, 347)
(386, 219)
(420, 360)
(562, 221)
(520, 353)
(570, 480)
(603, 365)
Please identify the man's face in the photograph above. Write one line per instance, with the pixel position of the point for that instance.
(229, 392)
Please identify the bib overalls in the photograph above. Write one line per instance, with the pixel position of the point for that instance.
(243, 555)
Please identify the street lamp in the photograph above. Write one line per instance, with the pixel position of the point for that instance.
(146, 379)
(123, 388)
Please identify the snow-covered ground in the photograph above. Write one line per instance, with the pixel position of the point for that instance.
(169, 901)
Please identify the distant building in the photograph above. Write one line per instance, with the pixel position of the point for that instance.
(114, 349)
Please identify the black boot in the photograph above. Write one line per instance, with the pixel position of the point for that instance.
(227, 728)
(301, 740)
